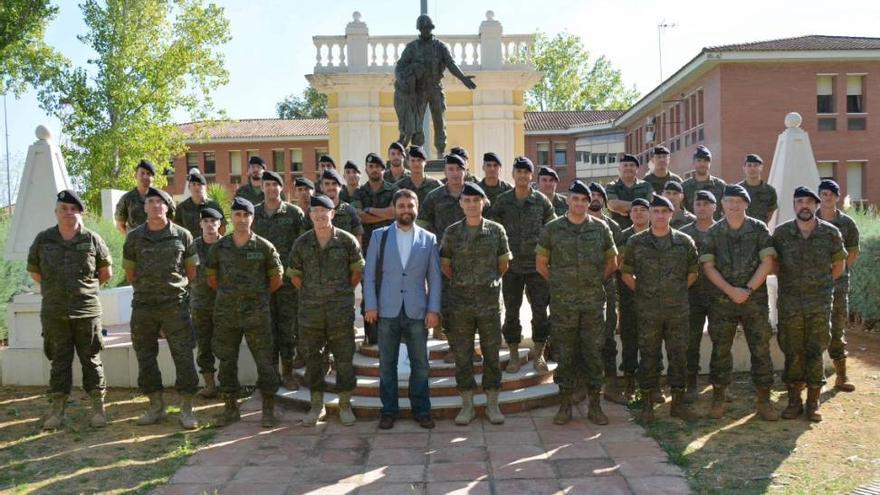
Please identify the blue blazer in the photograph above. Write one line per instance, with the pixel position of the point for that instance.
(416, 287)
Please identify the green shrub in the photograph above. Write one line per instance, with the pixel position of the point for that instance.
(114, 239)
(864, 292)
(13, 276)
(218, 193)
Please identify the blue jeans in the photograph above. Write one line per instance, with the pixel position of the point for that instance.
(390, 332)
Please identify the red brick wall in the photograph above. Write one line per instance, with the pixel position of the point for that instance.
(567, 173)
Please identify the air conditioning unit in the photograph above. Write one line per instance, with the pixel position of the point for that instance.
(649, 136)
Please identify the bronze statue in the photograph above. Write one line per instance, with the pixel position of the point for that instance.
(419, 76)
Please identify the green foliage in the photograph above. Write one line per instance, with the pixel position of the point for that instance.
(12, 273)
(572, 81)
(107, 230)
(864, 291)
(153, 60)
(25, 59)
(310, 105)
(218, 193)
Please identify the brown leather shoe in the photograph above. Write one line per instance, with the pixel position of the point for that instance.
(425, 422)
(386, 422)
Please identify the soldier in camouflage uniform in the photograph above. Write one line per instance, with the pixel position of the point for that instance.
(576, 254)
(548, 180)
(461, 152)
(325, 162)
(675, 194)
(352, 181)
(807, 270)
(160, 261)
(737, 256)
(702, 180)
(325, 265)
(70, 262)
(416, 181)
(346, 217)
(245, 269)
(763, 195)
(474, 255)
(660, 174)
(625, 189)
(523, 212)
(659, 265)
(202, 300)
(253, 190)
(130, 208)
(303, 189)
(491, 182)
(280, 223)
(397, 171)
(188, 214)
(829, 191)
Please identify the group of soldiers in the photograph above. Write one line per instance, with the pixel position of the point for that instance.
(649, 259)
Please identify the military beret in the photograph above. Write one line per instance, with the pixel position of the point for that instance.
(453, 159)
(350, 165)
(210, 213)
(753, 158)
(736, 190)
(331, 174)
(158, 193)
(473, 189)
(596, 187)
(303, 182)
(197, 178)
(322, 201)
(673, 185)
(242, 204)
(71, 198)
(660, 201)
(327, 159)
(256, 160)
(702, 152)
(375, 159)
(705, 196)
(418, 152)
(661, 150)
(548, 172)
(523, 162)
(577, 186)
(805, 192)
(396, 146)
(829, 185)
(273, 176)
(148, 166)
(491, 157)
(630, 158)
(640, 202)
(458, 150)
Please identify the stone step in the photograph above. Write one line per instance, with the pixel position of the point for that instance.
(369, 366)
(437, 349)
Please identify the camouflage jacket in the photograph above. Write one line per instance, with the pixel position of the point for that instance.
(282, 228)
(345, 218)
(522, 220)
(737, 254)
(188, 215)
(439, 211)
(763, 200)
(201, 294)
(681, 218)
(661, 266)
(703, 286)
(560, 204)
(657, 183)
(692, 185)
(619, 190)
(474, 254)
(805, 282)
(243, 273)
(159, 260)
(428, 184)
(850, 233)
(492, 192)
(365, 197)
(388, 176)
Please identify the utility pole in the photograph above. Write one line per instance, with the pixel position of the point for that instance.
(8, 175)
(660, 27)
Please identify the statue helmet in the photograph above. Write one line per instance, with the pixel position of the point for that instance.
(424, 21)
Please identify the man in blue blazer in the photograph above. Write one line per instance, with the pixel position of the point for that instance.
(406, 304)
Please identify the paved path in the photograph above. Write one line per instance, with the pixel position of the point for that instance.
(528, 454)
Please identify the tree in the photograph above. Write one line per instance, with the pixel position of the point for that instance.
(25, 59)
(153, 60)
(574, 82)
(310, 105)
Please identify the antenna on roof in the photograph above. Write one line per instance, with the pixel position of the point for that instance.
(660, 28)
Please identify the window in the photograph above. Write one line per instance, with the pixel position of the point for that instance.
(235, 163)
(560, 154)
(319, 152)
(854, 175)
(210, 163)
(701, 135)
(278, 161)
(251, 154)
(169, 173)
(828, 124)
(856, 124)
(826, 170)
(192, 161)
(700, 107)
(296, 161)
(543, 154)
(825, 94)
(855, 102)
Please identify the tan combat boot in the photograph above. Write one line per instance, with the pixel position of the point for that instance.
(693, 390)
(812, 408)
(317, 411)
(187, 418)
(563, 415)
(613, 393)
(156, 411)
(346, 415)
(841, 381)
(493, 410)
(268, 419)
(594, 413)
(466, 415)
(763, 407)
(230, 413)
(287, 378)
(99, 416)
(795, 402)
(57, 404)
(629, 387)
(513, 362)
(210, 390)
(719, 404)
(540, 362)
(681, 410)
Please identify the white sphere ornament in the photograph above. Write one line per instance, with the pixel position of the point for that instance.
(793, 119)
(43, 133)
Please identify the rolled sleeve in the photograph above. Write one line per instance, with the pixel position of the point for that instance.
(542, 251)
(710, 258)
(767, 251)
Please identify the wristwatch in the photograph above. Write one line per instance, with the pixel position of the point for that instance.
(748, 290)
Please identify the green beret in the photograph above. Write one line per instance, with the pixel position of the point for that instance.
(71, 198)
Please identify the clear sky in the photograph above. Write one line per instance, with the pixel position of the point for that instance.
(271, 48)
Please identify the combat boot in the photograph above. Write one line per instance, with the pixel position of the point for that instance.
(693, 392)
(99, 416)
(466, 415)
(230, 413)
(613, 393)
(647, 414)
(594, 413)
(57, 403)
(346, 415)
(513, 362)
(210, 390)
(681, 410)
(763, 407)
(187, 418)
(298, 360)
(629, 389)
(156, 411)
(812, 409)
(287, 378)
(657, 396)
(493, 411)
(795, 402)
(317, 411)
(841, 381)
(439, 333)
(719, 404)
(268, 419)
(540, 362)
(563, 415)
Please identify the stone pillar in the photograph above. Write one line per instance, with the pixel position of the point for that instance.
(793, 165)
(490, 42)
(356, 36)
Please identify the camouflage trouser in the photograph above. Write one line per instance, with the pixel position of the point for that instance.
(283, 306)
(629, 330)
(62, 338)
(609, 345)
(203, 324)
(173, 321)
(470, 316)
(669, 326)
(337, 335)
(755, 319)
(537, 291)
(699, 303)
(579, 335)
(231, 323)
(803, 339)
(839, 320)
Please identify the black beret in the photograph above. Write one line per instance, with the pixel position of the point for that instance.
(331, 174)
(210, 213)
(148, 166)
(158, 193)
(491, 157)
(661, 201)
(197, 178)
(256, 160)
(242, 204)
(549, 172)
(70, 197)
(472, 189)
(458, 150)
(322, 201)
(673, 185)
(736, 190)
(273, 176)
(327, 159)
(374, 158)
(596, 187)
(661, 150)
(418, 152)
(806, 192)
(303, 182)
(705, 196)
(753, 158)
(702, 152)
(524, 163)
(640, 202)
(829, 185)
(630, 158)
(352, 166)
(397, 146)
(454, 160)
(577, 186)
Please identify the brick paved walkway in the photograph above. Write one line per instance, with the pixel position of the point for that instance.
(528, 454)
